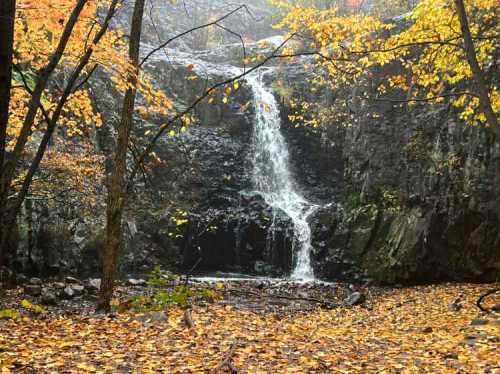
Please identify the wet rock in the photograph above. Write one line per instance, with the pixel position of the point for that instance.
(67, 293)
(21, 279)
(136, 282)
(78, 289)
(153, 317)
(355, 298)
(479, 322)
(72, 280)
(33, 289)
(58, 285)
(94, 284)
(35, 281)
(49, 297)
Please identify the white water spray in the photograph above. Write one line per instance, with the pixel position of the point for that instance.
(272, 177)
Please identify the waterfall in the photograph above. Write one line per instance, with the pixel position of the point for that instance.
(272, 177)
(271, 173)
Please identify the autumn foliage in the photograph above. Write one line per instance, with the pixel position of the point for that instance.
(424, 45)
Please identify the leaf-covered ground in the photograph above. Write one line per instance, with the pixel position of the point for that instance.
(410, 330)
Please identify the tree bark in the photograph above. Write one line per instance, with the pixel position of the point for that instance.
(7, 17)
(482, 89)
(117, 184)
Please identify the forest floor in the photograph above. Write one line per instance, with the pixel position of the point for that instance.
(422, 329)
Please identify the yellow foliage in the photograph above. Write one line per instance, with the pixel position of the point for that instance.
(429, 48)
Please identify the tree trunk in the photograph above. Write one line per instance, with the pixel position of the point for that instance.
(116, 185)
(7, 16)
(481, 87)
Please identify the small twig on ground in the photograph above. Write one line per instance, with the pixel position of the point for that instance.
(483, 296)
(226, 361)
(188, 319)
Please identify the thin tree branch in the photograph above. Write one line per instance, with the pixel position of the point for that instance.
(164, 44)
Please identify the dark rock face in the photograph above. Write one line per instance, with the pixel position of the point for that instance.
(421, 198)
(408, 194)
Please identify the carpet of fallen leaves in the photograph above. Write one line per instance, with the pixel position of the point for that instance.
(408, 330)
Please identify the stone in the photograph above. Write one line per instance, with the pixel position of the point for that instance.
(58, 285)
(355, 298)
(478, 322)
(94, 284)
(33, 289)
(153, 317)
(67, 293)
(21, 279)
(427, 330)
(35, 281)
(78, 289)
(136, 282)
(72, 280)
(454, 306)
(48, 297)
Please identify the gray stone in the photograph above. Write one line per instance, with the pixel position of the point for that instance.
(67, 293)
(48, 297)
(59, 285)
(479, 322)
(33, 289)
(36, 281)
(94, 284)
(356, 298)
(160, 316)
(454, 306)
(21, 279)
(136, 282)
(72, 280)
(78, 289)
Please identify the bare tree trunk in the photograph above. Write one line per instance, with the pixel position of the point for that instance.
(117, 184)
(7, 16)
(480, 83)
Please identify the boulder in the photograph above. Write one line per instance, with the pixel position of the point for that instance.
(49, 297)
(78, 289)
(58, 285)
(94, 284)
(35, 281)
(67, 293)
(355, 298)
(136, 282)
(72, 280)
(33, 289)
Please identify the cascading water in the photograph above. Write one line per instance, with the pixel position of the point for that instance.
(271, 166)
(272, 177)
